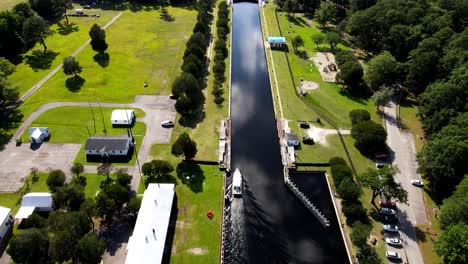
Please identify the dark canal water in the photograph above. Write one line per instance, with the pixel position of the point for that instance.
(269, 224)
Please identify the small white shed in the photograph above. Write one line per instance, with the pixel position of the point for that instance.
(6, 221)
(291, 140)
(34, 202)
(122, 117)
(38, 134)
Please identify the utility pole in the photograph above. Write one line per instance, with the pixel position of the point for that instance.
(94, 118)
(102, 116)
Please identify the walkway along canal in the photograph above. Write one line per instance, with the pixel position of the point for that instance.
(268, 224)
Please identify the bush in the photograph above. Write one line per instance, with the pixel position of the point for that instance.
(219, 67)
(336, 160)
(197, 39)
(359, 115)
(353, 211)
(348, 190)
(351, 73)
(202, 28)
(340, 172)
(222, 32)
(360, 233)
(34, 221)
(220, 47)
(195, 50)
(370, 137)
(343, 56)
(218, 100)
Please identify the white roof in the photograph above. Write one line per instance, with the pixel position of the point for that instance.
(24, 212)
(144, 246)
(37, 199)
(36, 134)
(4, 212)
(122, 115)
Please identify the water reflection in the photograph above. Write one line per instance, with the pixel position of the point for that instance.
(269, 224)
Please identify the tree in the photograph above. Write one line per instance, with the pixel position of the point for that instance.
(383, 70)
(184, 145)
(110, 200)
(336, 161)
(325, 13)
(77, 168)
(29, 246)
(455, 208)
(34, 221)
(441, 102)
(123, 178)
(343, 56)
(442, 160)
(98, 38)
(134, 205)
(76, 223)
(340, 172)
(290, 7)
(297, 42)
(318, 39)
(350, 73)
(359, 115)
(89, 208)
(90, 249)
(157, 168)
(202, 28)
(35, 29)
(50, 8)
(348, 190)
(370, 137)
(185, 83)
(452, 244)
(68, 197)
(183, 105)
(61, 246)
(368, 255)
(104, 169)
(354, 211)
(6, 67)
(198, 39)
(195, 50)
(382, 181)
(382, 96)
(71, 66)
(12, 42)
(332, 39)
(55, 180)
(24, 10)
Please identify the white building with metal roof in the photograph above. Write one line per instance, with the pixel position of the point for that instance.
(35, 201)
(6, 221)
(122, 117)
(147, 243)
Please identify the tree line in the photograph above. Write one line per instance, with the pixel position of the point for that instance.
(187, 87)
(221, 52)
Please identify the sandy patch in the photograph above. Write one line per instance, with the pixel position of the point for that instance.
(308, 85)
(198, 251)
(319, 135)
(182, 224)
(325, 63)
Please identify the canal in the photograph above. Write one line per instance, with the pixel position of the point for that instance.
(269, 224)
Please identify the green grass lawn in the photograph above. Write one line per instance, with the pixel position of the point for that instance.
(8, 4)
(328, 99)
(410, 121)
(142, 47)
(70, 124)
(60, 45)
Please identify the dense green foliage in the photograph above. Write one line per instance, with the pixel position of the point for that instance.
(455, 208)
(453, 245)
(157, 168)
(55, 180)
(71, 66)
(50, 9)
(359, 115)
(370, 137)
(221, 52)
(184, 145)
(98, 38)
(382, 181)
(29, 246)
(383, 70)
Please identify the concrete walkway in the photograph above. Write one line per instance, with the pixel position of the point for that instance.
(157, 109)
(404, 155)
(58, 67)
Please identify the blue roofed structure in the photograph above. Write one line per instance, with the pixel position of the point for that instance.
(277, 42)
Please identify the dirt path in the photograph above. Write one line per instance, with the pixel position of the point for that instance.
(404, 155)
(58, 67)
(157, 109)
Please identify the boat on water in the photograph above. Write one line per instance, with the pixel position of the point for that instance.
(237, 183)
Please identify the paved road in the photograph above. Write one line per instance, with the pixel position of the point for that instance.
(58, 67)
(157, 109)
(404, 155)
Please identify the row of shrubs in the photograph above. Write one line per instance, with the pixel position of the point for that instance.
(187, 87)
(356, 215)
(221, 52)
(370, 136)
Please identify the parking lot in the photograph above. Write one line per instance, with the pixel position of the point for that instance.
(17, 161)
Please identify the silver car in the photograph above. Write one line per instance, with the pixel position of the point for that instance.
(393, 241)
(392, 255)
(390, 228)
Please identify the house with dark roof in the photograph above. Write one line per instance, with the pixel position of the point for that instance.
(108, 146)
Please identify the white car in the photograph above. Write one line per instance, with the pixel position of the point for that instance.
(393, 241)
(392, 255)
(390, 228)
(385, 210)
(417, 183)
(167, 123)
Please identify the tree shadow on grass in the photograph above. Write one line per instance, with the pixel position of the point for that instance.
(191, 175)
(166, 16)
(64, 29)
(102, 58)
(298, 21)
(39, 60)
(161, 179)
(74, 83)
